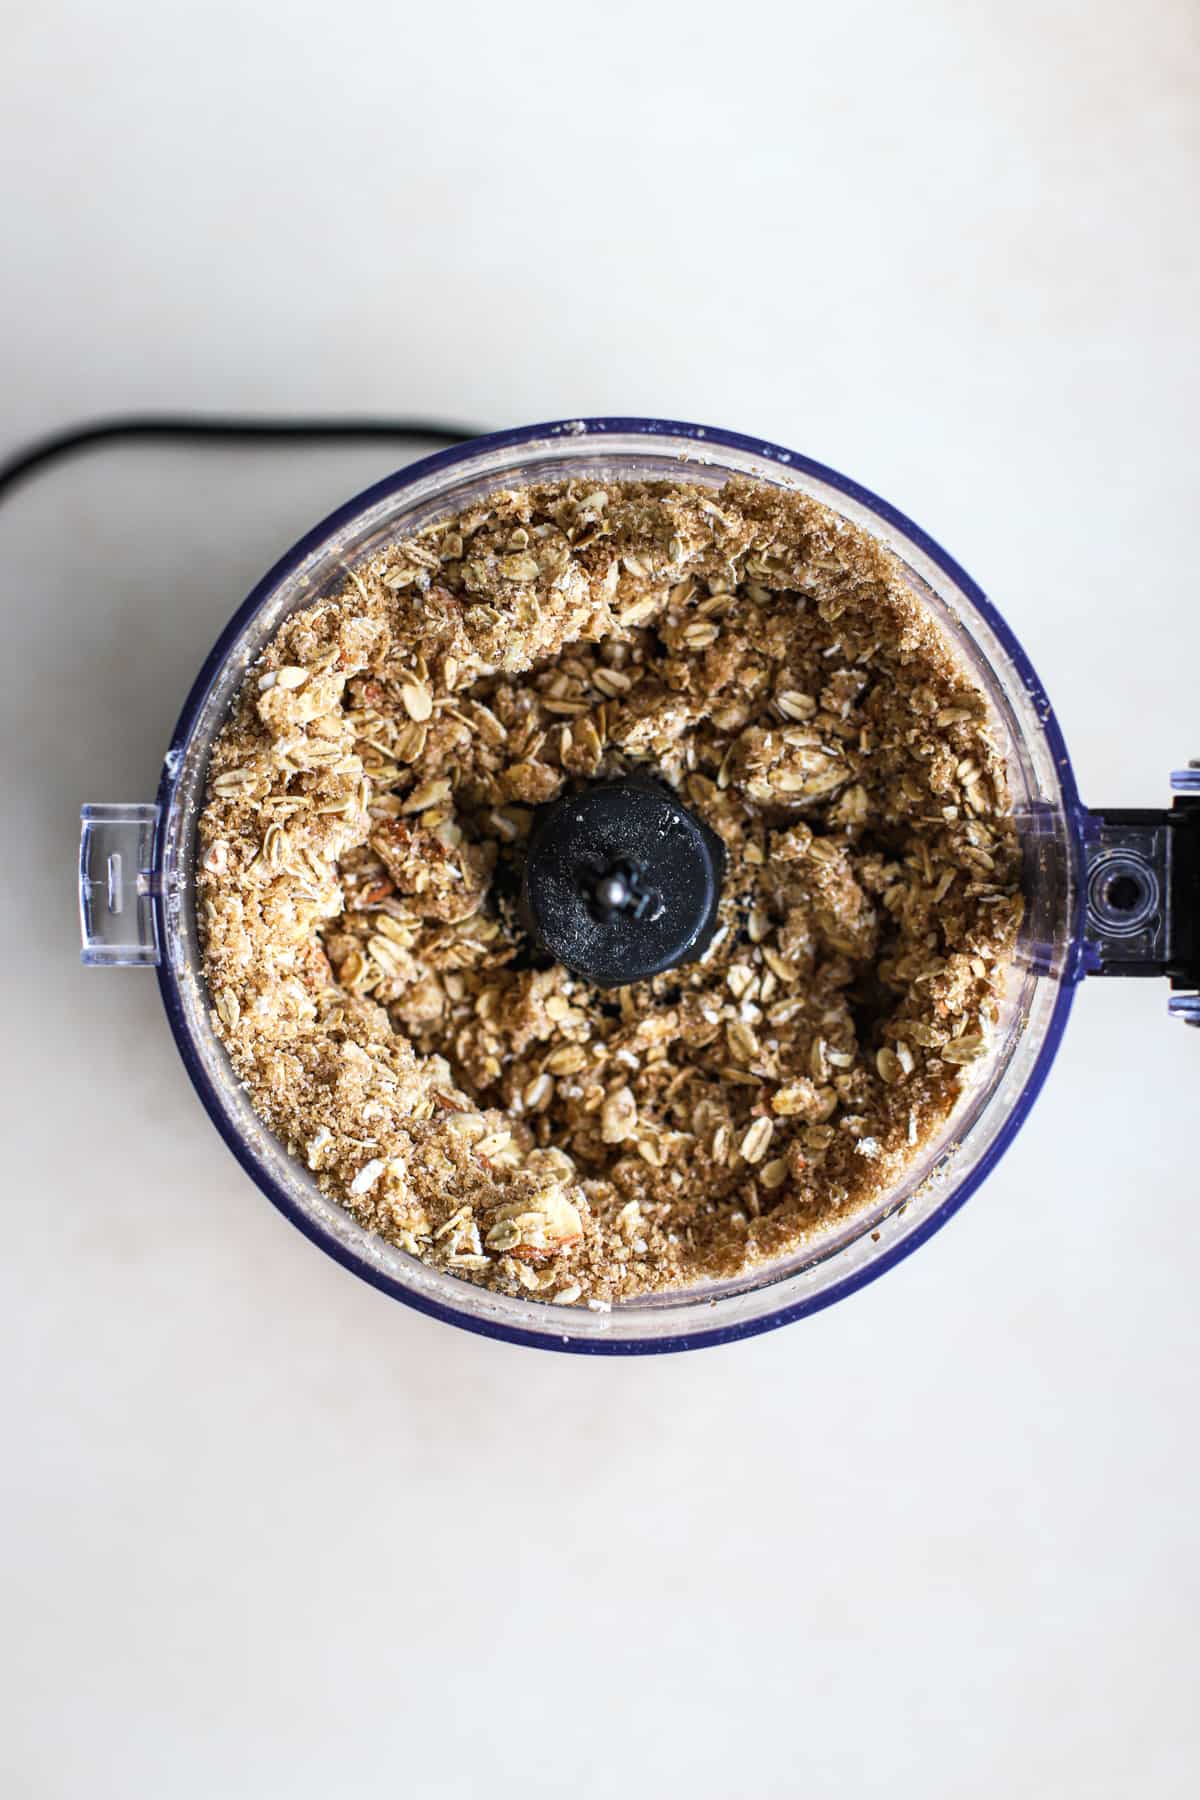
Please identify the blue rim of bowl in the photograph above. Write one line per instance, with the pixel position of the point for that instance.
(568, 429)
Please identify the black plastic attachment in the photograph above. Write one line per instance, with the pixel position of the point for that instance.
(621, 881)
(1143, 893)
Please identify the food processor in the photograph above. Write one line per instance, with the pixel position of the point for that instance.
(1106, 892)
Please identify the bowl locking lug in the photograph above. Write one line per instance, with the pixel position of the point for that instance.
(1143, 893)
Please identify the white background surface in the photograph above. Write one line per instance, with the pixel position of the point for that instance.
(268, 1533)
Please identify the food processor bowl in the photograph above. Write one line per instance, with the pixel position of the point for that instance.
(137, 890)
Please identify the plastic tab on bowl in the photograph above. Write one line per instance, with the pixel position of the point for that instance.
(116, 917)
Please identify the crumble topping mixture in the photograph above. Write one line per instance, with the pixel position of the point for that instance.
(360, 857)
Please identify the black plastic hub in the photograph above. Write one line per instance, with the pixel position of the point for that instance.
(1143, 893)
(621, 881)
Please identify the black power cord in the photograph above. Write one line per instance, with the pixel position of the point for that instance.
(219, 428)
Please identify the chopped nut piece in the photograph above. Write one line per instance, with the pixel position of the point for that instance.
(543, 1226)
(618, 1119)
(367, 1176)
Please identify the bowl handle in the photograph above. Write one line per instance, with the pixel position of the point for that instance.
(116, 913)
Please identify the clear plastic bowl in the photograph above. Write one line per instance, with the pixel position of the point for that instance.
(137, 893)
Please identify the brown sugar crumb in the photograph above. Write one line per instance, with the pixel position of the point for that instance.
(369, 801)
